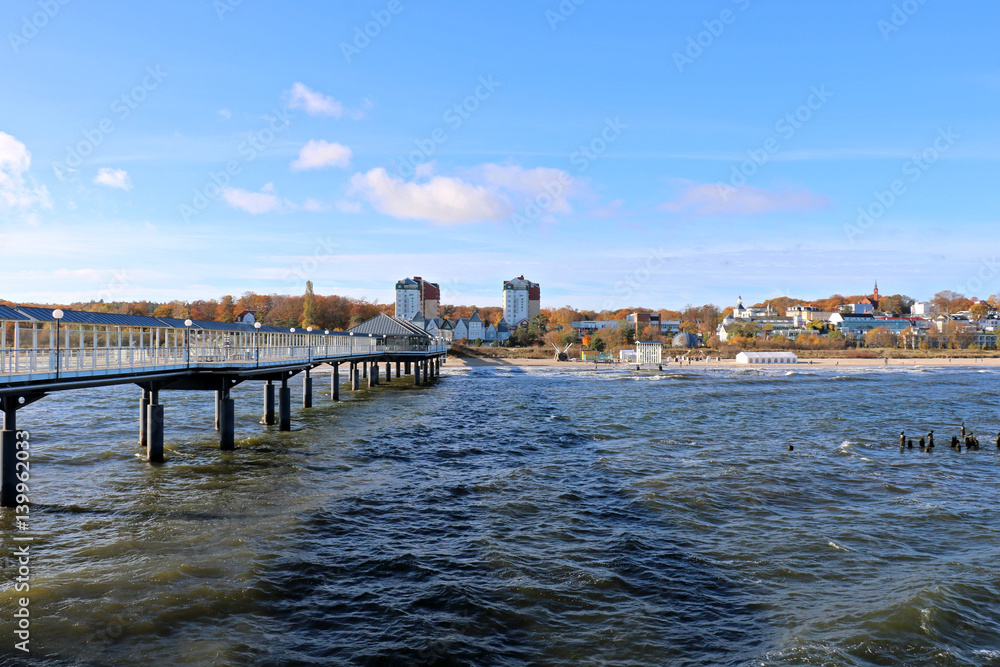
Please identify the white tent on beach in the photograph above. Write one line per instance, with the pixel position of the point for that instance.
(766, 358)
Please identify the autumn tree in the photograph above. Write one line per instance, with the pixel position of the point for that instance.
(880, 337)
(950, 302)
(203, 310)
(226, 310)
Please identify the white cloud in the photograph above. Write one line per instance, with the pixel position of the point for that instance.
(17, 190)
(255, 203)
(113, 178)
(321, 154)
(534, 183)
(441, 199)
(712, 199)
(486, 192)
(345, 206)
(226, 113)
(315, 205)
(313, 103)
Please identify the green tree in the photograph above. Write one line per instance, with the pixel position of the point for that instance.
(310, 314)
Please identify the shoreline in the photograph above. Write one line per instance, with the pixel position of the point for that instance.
(826, 362)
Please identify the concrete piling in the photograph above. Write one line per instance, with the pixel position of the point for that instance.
(335, 382)
(388, 371)
(8, 456)
(154, 429)
(227, 421)
(416, 372)
(143, 411)
(284, 406)
(398, 374)
(355, 378)
(307, 390)
(218, 408)
(408, 371)
(268, 418)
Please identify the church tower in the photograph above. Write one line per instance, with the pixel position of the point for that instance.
(875, 295)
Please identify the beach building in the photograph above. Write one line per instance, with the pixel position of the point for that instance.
(470, 328)
(767, 358)
(586, 327)
(649, 351)
(503, 331)
(416, 295)
(521, 301)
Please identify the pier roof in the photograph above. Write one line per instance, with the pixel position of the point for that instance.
(7, 313)
(385, 325)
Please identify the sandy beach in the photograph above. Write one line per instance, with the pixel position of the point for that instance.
(480, 362)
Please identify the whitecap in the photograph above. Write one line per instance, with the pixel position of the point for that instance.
(837, 546)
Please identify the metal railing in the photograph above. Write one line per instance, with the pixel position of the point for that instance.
(86, 351)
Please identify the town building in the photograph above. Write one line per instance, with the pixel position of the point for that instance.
(416, 295)
(522, 301)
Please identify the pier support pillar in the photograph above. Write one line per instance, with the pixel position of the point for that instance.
(218, 407)
(355, 378)
(364, 370)
(8, 456)
(408, 368)
(335, 382)
(154, 428)
(227, 421)
(373, 375)
(398, 374)
(143, 411)
(268, 418)
(307, 390)
(388, 371)
(416, 373)
(284, 406)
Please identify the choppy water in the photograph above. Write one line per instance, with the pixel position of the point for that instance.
(509, 517)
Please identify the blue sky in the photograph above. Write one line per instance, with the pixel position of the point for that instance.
(620, 154)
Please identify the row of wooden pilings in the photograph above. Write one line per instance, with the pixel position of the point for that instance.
(151, 410)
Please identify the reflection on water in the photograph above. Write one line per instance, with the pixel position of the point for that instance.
(506, 517)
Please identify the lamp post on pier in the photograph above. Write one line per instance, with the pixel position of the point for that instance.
(256, 341)
(187, 338)
(57, 314)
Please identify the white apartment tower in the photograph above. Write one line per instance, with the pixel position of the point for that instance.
(416, 295)
(521, 301)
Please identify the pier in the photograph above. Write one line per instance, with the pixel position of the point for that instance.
(43, 351)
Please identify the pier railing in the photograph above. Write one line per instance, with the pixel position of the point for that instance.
(33, 351)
